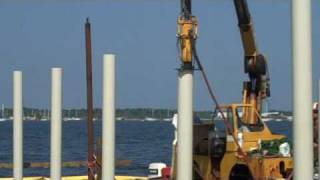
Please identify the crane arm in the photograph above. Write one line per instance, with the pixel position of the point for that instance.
(255, 64)
(246, 28)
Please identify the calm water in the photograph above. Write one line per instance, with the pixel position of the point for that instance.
(141, 142)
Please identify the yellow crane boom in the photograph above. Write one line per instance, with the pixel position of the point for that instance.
(255, 65)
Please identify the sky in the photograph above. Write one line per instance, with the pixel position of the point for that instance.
(38, 35)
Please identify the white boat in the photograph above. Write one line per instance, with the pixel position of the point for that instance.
(66, 118)
(167, 119)
(44, 119)
(30, 118)
(119, 118)
(3, 119)
(2, 114)
(150, 119)
(289, 118)
(266, 119)
(75, 119)
(72, 118)
(275, 116)
(45, 115)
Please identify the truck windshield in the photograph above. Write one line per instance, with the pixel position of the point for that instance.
(218, 118)
(258, 126)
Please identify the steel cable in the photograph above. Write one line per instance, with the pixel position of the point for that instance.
(214, 99)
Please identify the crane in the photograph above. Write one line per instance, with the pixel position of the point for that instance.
(255, 65)
(247, 149)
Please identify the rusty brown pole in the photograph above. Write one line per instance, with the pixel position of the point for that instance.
(89, 100)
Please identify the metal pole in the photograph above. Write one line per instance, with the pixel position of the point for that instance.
(302, 89)
(89, 98)
(108, 117)
(17, 126)
(185, 125)
(56, 121)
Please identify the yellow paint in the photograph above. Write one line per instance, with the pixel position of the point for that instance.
(249, 41)
(260, 167)
(187, 29)
(80, 178)
(205, 164)
(229, 160)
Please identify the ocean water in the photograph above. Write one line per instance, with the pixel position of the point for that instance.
(140, 142)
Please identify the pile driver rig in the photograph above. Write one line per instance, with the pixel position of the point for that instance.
(243, 151)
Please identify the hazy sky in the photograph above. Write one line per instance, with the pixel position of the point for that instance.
(38, 35)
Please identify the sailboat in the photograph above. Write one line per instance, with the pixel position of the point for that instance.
(45, 116)
(32, 117)
(75, 118)
(151, 118)
(67, 116)
(168, 116)
(2, 114)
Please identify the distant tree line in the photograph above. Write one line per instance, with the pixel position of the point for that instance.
(126, 113)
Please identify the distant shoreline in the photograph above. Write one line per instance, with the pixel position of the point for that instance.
(147, 114)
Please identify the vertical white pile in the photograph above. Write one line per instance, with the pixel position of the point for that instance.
(17, 126)
(108, 117)
(302, 89)
(185, 125)
(56, 121)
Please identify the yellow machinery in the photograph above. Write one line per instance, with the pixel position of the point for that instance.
(257, 88)
(187, 34)
(240, 152)
(221, 156)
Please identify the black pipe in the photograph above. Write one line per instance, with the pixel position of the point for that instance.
(186, 9)
(243, 14)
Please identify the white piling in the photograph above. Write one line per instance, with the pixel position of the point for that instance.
(17, 126)
(56, 121)
(185, 125)
(302, 89)
(108, 117)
